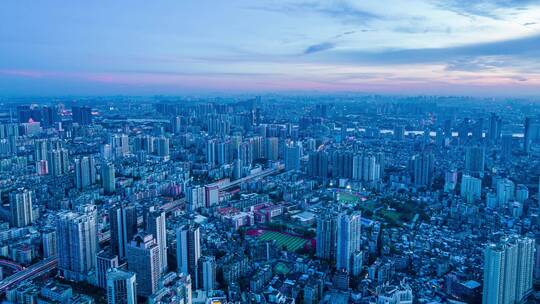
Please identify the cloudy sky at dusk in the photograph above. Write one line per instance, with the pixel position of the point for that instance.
(490, 47)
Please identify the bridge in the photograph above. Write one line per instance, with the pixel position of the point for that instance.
(29, 273)
(263, 173)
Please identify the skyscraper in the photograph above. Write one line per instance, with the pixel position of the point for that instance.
(20, 204)
(471, 188)
(506, 147)
(108, 178)
(82, 115)
(157, 227)
(58, 162)
(143, 260)
(85, 172)
(495, 127)
(474, 160)
(348, 239)
(422, 169)
(49, 242)
(121, 287)
(188, 250)
(207, 273)
(293, 153)
(326, 236)
(527, 138)
(77, 242)
(105, 261)
(163, 147)
(123, 221)
(508, 268)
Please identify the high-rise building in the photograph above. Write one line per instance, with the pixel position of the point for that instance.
(82, 115)
(422, 169)
(506, 147)
(272, 148)
(77, 242)
(20, 204)
(163, 147)
(318, 164)
(105, 261)
(293, 153)
(326, 236)
(188, 250)
(508, 270)
(195, 197)
(143, 260)
(495, 127)
(474, 160)
(207, 273)
(505, 191)
(156, 225)
(471, 188)
(85, 172)
(123, 221)
(349, 239)
(527, 134)
(121, 287)
(58, 162)
(49, 243)
(211, 195)
(108, 178)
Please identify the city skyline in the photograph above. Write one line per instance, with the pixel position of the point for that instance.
(489, 48)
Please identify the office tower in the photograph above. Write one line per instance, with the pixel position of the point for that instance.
(82, 115)
(20, 205)
(176, 124)
(293, 153)
(272, 148)
(58, 161)
(163, 147)
(474, 160)
(108, 178)
(471, 188)
(123, 221)
(121, 287)
(478, 130)
(188, 250)
(156, 225)
(522, 193)
(49, 241)
(326, 236)
(49, 116)
(422, 169)
(505, 191)
(143, 259)
(527, 134)
(495, 127)
(77, 242)
(207, 273)
(85, 172)
(506, 147)
(349, 239)
(105, 261)
(508, 268)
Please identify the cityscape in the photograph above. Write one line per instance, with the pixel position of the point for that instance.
(283, 152)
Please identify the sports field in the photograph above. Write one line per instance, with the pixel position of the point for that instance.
(291, 243)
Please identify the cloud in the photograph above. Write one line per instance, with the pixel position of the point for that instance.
(484, 8)
(342, 10)
(319, 47)
(527, 48)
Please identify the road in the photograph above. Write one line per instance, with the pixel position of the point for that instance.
(29, 273)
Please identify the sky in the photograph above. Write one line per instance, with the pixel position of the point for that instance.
(140, 47)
